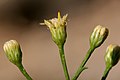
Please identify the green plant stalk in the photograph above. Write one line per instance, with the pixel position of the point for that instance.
(63, 61)
(107, 70)
(81, 67)
(23, 71)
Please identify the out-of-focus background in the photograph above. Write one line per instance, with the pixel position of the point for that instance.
(19, 19)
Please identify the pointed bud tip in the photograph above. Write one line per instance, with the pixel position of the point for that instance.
(59, 15)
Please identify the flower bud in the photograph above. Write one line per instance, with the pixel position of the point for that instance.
(57, 28)
(13, 51)
(112, 55)
(98, 36)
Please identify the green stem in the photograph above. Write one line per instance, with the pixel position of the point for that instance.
(81, 67)
(107, 69)
(21, 68)
(63, 60)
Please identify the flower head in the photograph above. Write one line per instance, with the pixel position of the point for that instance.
(98, 36)
(112, 55)
(57, 28)
(13, 51)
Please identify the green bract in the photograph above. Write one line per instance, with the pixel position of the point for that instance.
(112, 55)
(98, 36)
(57, 28)
(13, 51)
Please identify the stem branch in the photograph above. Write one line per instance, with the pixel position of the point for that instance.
(81, 67)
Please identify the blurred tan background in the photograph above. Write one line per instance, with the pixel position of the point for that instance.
(19, 19)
